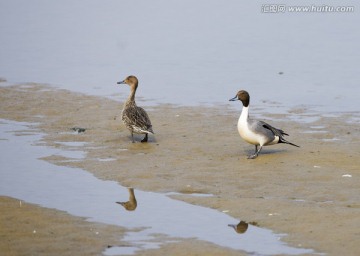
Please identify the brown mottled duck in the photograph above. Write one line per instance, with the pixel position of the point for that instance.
(135, 118)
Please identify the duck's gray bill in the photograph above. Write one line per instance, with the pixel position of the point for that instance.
(234, 99)
(121, 82)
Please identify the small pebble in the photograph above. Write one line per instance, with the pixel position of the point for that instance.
(78, 129)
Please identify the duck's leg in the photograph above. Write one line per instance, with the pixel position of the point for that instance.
(145, 139)
(256, 152)
(132, 137)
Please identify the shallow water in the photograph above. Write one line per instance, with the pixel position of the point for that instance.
(79, 193)
(186, 52)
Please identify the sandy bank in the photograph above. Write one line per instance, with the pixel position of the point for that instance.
(301, 192)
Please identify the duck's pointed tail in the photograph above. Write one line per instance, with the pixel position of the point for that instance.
(152, 131)
(282, 140)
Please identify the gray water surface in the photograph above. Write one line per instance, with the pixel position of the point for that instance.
(25, 177)
(186, 52)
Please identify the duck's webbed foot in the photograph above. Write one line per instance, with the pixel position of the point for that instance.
(255, 155)
(145, 139)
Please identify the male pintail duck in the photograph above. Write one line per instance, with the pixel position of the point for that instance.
(256, 132)
(135, 118)
(240, 228)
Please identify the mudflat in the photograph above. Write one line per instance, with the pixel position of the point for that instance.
(311, 193)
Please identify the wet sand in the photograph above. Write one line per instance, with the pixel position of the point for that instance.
(297, 191)
(28, 229)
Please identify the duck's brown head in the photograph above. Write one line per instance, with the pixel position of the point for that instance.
(243, 96)
(130, 80)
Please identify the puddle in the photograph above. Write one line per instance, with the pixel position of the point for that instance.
(330, 115)
(138, 243)
(306, 119)
(72, 143)
(299, 200)
(317, 127)
(106, 159)
(314, 131)
(330, 140)
(354, 120)
(75, 154)
(81, 194)
(189, 194)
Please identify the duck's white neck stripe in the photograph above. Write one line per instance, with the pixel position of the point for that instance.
(244, 113)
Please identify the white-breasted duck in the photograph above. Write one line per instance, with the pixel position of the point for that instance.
(256, 132)
(135, 118)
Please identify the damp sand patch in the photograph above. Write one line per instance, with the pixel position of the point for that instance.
(200, 147)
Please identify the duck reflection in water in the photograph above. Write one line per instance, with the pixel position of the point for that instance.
(131, 204)
(240, 228)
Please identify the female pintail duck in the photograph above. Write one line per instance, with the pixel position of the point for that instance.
(256, 132)
(135, 118)
(132, 203)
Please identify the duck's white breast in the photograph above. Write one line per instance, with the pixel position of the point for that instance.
(248, 135)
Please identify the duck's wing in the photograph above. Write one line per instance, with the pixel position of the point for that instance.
(278, 132)
(275, 131)
(137, 116)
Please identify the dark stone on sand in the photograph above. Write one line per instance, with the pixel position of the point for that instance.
(78, 129)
